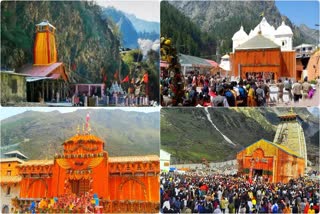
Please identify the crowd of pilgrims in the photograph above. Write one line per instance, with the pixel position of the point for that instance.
(84, 203)
(195, 193)
(216, 91)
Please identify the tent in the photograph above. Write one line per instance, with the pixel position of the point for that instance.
(191, 62)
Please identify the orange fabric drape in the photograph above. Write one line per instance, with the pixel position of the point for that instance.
(41, 49)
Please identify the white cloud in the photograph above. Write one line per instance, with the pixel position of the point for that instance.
(146, 10)
(146, 44)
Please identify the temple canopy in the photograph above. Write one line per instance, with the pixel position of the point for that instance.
(193, 61)
(45, 23)
(15, 154)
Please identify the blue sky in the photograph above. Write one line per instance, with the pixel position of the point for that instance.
(300, 12)
(11, 111)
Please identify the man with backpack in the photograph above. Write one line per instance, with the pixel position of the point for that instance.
(220, 100)
(306, 87)
(288, 87)
(280, 86)
(260, 96)
(230, 96)
(242, 94)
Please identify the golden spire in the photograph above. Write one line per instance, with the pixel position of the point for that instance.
(78, 129)
(89, 128)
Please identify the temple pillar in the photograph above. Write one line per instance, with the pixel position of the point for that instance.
(101, 88)
(77, 90)
(64, 90)
(42, 90)
(86, 101)
(32, 91)
(47, 90)
(52, 89)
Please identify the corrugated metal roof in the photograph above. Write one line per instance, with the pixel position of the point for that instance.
(13, 73)
(258, 42)
(286, 149)
(187, 60)
(33, 79)
(10, 179)
(283, 148)
(145, 158)
(42, 70)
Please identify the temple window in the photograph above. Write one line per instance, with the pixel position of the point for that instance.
(8, 190)
(8, 172)
(14, 87)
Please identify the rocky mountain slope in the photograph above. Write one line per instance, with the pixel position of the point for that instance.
(40, 134)
(85, 43)
(189, 135)
(142, 25)
(224, 18)
(131, 28)
(129, 35)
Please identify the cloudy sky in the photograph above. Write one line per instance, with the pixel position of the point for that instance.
(147, 10)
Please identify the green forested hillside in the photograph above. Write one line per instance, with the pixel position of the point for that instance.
(84, 40)
(40, 134)
(186, 36)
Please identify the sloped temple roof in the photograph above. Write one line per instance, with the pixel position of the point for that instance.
(53, 71)
(283, 148)
(258, 42)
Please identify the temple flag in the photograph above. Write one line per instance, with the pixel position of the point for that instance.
(126, 79)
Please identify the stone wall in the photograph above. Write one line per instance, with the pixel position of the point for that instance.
(6, 198)
(13, 88)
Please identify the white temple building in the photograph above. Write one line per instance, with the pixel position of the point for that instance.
(281, 36)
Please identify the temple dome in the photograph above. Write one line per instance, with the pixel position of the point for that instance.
(265, 28)
(240, 35)
(283, 29)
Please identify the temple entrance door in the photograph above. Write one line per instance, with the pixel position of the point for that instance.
(79, 186)
(5, 209)
(260, 75)
(257, 172)
(133, 190)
